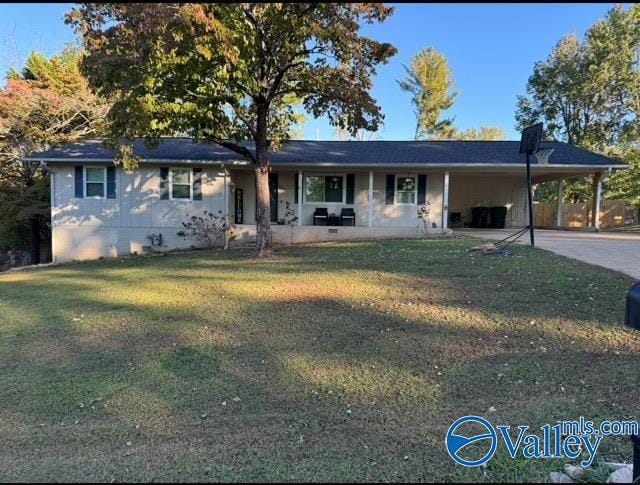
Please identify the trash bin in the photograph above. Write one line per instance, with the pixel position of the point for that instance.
(497, 217)
(480, 217)
(632, 313)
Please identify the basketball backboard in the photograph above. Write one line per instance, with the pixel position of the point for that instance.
(530, 141)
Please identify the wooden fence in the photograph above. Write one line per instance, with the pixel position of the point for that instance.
(613, 213)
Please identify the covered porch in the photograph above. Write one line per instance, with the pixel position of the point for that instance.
(385, 203)
(319, 198)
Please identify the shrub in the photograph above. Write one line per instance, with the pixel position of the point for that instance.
(290, 217)
(209, 230)
(424, 212)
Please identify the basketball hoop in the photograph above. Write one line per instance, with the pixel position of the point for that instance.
(530, 141)
(530, 145)
(543, 155)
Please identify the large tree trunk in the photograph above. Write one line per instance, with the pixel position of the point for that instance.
(263, 212)
(263, 209)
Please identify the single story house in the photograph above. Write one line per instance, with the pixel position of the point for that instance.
(98, 209)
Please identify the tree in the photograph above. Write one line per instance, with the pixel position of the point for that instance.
(428, 80)
(587, 93)
(47, 103)
(556, 94)
(222, 72)
(625, 184)
(485, 133)
(343, 134)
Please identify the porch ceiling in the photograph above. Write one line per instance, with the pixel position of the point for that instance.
(539, 174)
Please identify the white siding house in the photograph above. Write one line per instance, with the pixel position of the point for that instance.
(91, 227)
(99, 210)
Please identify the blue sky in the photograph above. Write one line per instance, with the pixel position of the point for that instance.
(490, 48)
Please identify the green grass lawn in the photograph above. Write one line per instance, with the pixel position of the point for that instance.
(338, 362)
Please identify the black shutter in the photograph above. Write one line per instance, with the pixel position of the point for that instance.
(164, 183)
(79, 181)
(351, 184)
(296, 184)
(391, 180)
(111, 182)
(273, 197)
(197, 184)
(422, 189)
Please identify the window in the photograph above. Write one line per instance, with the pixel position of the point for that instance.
(405, 189)
(95, 182)
(324, 188)
(180, 181)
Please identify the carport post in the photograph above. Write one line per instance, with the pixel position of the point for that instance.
(370, 206)
(597, 193)
(299, 175)
(559, 206)
(226, 194)
(445, 201)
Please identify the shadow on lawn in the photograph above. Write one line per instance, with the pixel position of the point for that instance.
(233, 384)
(530, 284)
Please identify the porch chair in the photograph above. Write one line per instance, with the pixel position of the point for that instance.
(348, 214)
(321, 213)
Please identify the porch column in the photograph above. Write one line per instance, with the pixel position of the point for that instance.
(300, 198)
(597, 192)
(52, 185)
(370, 198)
(559, 204)
(226, 196)
(445, 202)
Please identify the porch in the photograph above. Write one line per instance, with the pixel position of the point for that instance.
(385, 203)
(285, 234)
(376, 199)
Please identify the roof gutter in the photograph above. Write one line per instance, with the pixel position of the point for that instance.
(149, 160)
(447, 165)
(333, 165)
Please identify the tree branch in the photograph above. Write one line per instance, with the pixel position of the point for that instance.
(245, 120)
(234, 147)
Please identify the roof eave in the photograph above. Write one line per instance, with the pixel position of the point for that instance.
(346, 165)
(144, 160)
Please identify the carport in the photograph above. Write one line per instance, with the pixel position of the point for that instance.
(505, 185)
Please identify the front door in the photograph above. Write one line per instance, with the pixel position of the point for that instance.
(273, 196)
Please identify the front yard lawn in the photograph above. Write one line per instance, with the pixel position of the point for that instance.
(337, 362)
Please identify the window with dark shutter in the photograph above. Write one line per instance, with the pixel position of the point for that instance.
(351, 183)
(391, 179)
(79, 181)
(422, 189)
(95, 181)
(296, 187)
(180, 183)
(197, 184)
(111, 182)
(164, 183)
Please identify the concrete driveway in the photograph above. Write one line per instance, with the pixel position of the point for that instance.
(617, 251)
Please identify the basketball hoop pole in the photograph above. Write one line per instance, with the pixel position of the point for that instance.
(530, 195)
(530, 145)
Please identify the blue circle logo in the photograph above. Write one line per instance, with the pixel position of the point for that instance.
(457, 442)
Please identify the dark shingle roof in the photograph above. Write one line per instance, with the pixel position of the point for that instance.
(332, 153)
